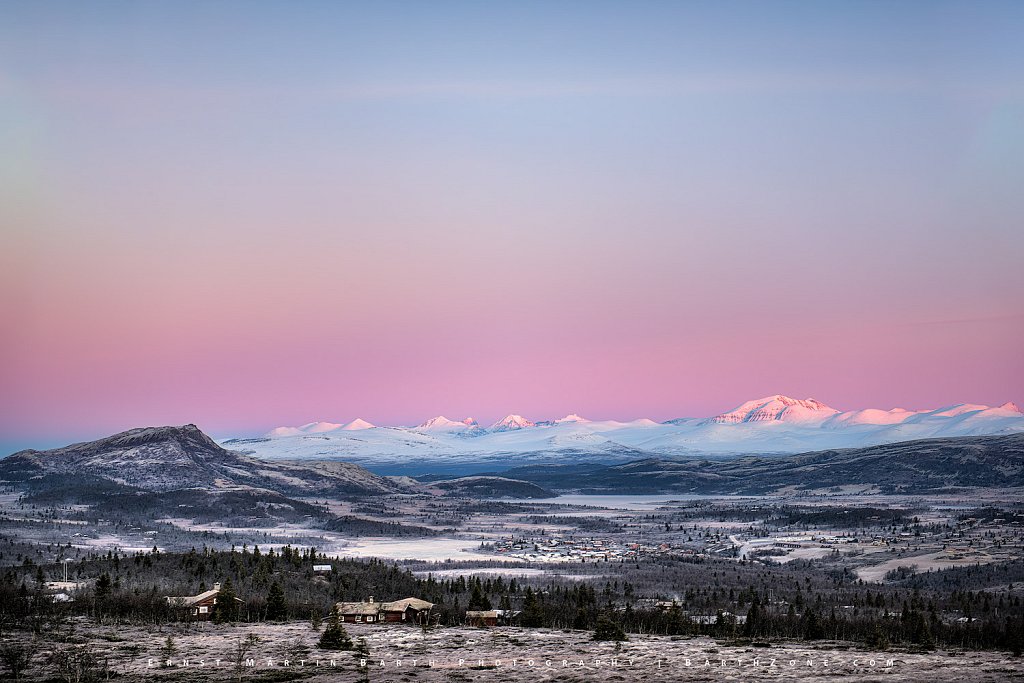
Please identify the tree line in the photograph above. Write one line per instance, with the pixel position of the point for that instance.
(674, 596)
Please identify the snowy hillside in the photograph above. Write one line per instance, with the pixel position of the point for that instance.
(174, 458)
(774, 424)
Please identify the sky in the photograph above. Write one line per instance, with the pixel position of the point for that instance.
(244, 215)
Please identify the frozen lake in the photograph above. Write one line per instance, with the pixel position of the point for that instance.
(428, 549)
(480, 571)
(624, 502)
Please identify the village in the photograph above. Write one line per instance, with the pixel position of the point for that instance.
(894, 534)
(568, 548)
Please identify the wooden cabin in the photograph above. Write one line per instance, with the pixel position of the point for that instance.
(482, 618)
(198, 606)
(363, 612)
(407, 610)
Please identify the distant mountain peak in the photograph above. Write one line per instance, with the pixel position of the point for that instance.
(510, 423)
(1010, 405)
(319, 427)
(308, 428)
(777, 408)
(441, 423)
(357, 424)
(572, 417)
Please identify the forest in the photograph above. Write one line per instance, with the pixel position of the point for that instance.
(676, 596)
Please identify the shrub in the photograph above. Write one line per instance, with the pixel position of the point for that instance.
(608, 630)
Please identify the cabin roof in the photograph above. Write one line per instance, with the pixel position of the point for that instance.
(366, 607)
(406, 603)
(362, 608)
(186, 600)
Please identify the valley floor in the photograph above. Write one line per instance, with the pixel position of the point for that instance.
(400, 653)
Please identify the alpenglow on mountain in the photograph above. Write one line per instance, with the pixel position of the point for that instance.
(770, 425)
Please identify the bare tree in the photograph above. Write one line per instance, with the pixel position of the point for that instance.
(17, 657)
(243, 646)
(74, 664)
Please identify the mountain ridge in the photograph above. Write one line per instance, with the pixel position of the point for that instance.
(774, 424)
(774, 408)
(165, 467)
(920, 466)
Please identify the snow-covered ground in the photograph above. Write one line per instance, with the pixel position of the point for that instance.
(396, 652)
(925, 563)
(426, 549)
(483, 571)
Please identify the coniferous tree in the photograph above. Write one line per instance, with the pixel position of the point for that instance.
(103, 586)
(277, 610)
(335, 637)
(531, 616)
(478, 601)
(752, 624)
(226, 608)
(878, 639)
(168, 651)
(608, 630)
(811, 625)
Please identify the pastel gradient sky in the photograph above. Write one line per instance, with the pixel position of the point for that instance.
(250, 214)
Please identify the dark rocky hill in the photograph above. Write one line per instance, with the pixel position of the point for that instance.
(173, 458)
(907, 467)
(492, 487)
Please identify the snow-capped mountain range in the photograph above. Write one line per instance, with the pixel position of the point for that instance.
(771, 425)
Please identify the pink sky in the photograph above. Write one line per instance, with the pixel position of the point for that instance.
(480, 216)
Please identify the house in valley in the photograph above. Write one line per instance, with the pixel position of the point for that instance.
(198, 606)
(407, 610)
(482, 618)
(362, 612)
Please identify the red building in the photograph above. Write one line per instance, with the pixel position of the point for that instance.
(483, 618)
(198, 606)
(407, 610)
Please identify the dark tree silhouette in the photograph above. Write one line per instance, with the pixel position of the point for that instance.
(608, 630)
(277, 608)
(335, 637)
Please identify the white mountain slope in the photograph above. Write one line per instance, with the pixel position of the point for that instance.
(443, 424)
(510, 423)
(357, 424)
(777, 409)
(774, 424)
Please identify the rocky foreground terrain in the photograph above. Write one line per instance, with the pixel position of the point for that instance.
(280, 652)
